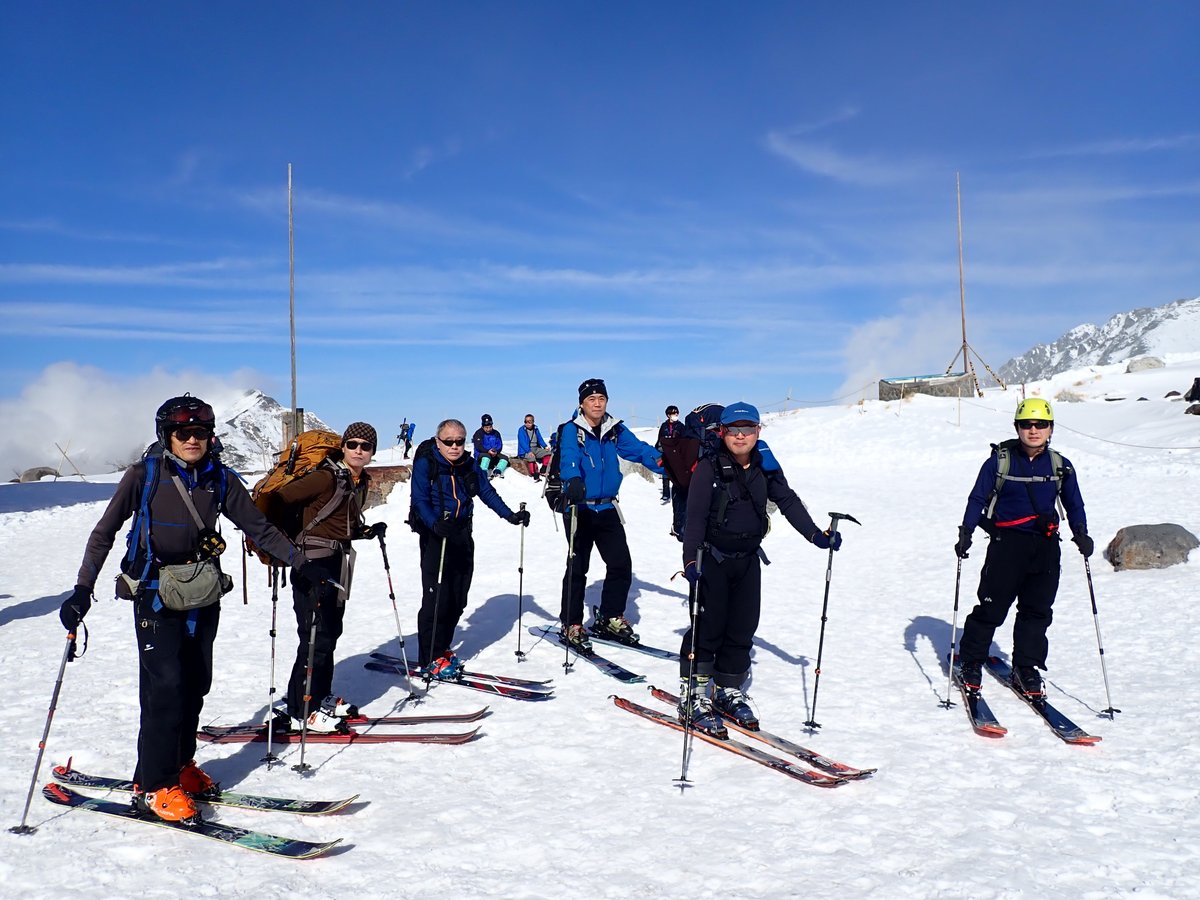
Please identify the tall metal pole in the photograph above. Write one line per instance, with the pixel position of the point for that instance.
(296, 428)
(962, 284)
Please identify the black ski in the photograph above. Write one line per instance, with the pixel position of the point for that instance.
(819, 779)
(779, 743)
(980, 715)
(607, 666)
(258, 841)
(67, 775)
(488, 687)
(656, 652)
(1058, 722)
(415, 671)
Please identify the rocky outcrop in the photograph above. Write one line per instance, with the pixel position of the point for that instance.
(1150, 546)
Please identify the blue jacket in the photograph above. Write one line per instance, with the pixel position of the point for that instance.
(484, 442)
(1015, 508)
(596, 461)
(451, 489)
(523, 444)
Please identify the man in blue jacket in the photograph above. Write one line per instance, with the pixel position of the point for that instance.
(531, 447)
(591, 477)
(444, 480)
(1016, 505)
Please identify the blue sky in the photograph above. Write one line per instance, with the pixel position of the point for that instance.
(694, 201)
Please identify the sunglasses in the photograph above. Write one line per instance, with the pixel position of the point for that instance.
(453, 442)
(193, 412)
(199, 432)
(356, 445)
(1033, 423)
(740, 429)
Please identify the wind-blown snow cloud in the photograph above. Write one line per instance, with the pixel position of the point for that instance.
(101, 421)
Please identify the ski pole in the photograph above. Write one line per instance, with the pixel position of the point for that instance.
(1111, 710)
(396, 613)
(573, 513)
(68, 654)
(302, 766)
(833, 527)
(521, 590)
(694, 603)
(947, 703)
(271, 759)
(437, 602)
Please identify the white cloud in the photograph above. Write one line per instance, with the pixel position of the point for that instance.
(102, 421)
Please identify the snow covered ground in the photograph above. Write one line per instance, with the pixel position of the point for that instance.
(574, 797)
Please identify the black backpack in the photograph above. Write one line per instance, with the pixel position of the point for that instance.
(699, 438)
(552, 488)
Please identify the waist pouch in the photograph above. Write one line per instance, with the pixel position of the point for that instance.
(192, 585)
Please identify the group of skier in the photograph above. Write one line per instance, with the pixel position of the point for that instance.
(171, 571)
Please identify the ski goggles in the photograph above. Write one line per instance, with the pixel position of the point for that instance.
(192, 412)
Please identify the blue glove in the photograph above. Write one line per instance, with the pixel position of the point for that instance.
(691, 573)
(827, 541)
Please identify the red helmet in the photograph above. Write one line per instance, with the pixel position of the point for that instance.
(179, 412)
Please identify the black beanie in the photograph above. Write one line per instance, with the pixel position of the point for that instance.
(592, 386)
(485, 419)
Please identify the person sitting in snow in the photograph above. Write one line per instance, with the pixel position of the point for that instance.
(726, 522)
(489, 448)
(531, 447)
(171, 574)
(1024, 556)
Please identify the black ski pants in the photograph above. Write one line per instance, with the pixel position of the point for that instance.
(1021, 567)
(175, 664)
(441, 608)
(331, 609)
(603, 530)
(730, 596)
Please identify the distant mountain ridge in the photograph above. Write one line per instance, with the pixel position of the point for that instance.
(1171, 328)
(251, 431)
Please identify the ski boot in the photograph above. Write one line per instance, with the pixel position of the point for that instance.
(339, 706)
(577, 639)
(447, 667)
(197, 782)
(171, 804)
(321, 722)
(616, 628)
(695, 707)
(731, 702)
(970, 675)
(1028, 680)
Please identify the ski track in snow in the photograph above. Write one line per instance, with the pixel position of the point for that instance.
(575, 797)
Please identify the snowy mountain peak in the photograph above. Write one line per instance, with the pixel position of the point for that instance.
(1172, 328)
(251, 430)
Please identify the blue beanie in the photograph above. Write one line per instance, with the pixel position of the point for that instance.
(740, 412)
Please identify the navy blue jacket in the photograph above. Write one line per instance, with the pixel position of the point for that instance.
(1014, 507)
(451, 488)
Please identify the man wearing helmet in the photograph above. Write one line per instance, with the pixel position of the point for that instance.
(176, 492)
(1016, 500)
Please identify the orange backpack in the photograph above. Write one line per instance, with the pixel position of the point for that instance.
(305, 453)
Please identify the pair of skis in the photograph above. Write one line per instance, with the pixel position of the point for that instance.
(985, 723)
(829, 773)
(256, 732)
(498, 685)
(605, 665)
(62, 792)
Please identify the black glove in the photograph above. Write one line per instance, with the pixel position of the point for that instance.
(964, 541)
(75, 607)
(1082, 540)
(520, 517)
(445, 527)
(574, 490)
(370, 532)
(827, 541)
(690, 572)
(310, 575)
